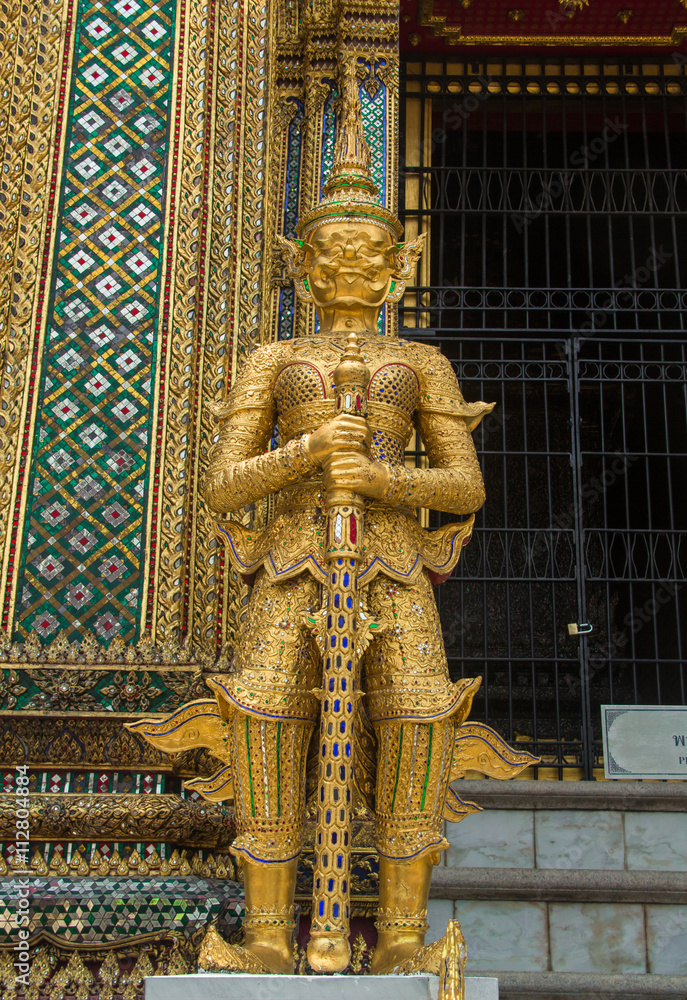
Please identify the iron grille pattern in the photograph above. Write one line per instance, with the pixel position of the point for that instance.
(553, 195)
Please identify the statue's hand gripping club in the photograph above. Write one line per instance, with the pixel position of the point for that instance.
(343, 633)
(345, 434)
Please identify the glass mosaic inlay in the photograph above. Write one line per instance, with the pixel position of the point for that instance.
(287, 296)
(85, 522)
(374, 127)
(101, 911)
(328, 137)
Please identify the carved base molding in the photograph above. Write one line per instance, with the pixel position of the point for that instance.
(115, 973)
(89, 741)
(72, 816)
(116, 861)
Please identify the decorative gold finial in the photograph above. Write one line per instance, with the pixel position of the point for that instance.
(350, 193)
(352, 157)
(348, 259)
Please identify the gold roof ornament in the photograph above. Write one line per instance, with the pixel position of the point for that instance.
(350, 193)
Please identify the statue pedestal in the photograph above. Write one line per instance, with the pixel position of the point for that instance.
(216, 986)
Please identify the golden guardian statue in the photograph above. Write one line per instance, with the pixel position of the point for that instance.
(340, 657)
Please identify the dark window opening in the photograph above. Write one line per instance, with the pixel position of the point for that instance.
(554, 195)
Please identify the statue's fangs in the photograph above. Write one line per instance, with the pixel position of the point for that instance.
(341, 656)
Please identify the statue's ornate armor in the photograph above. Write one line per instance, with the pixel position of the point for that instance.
(298, 663)
(277, 666)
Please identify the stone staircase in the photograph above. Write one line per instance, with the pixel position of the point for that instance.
(570, 889)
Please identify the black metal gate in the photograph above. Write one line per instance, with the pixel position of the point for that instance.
(553, 200)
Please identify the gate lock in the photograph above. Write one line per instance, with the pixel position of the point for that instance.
(584, 628)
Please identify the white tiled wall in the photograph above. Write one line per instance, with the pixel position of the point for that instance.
(613, 938)
(589, 839)
(495, 838)
(510, 936)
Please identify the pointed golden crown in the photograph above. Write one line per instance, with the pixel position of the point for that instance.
(350, 194)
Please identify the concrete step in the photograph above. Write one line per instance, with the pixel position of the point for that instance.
(585, 986)
(630, 796)
(533, 923)
(559, 885)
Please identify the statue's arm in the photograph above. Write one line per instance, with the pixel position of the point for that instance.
(240, 470)
(453, 483)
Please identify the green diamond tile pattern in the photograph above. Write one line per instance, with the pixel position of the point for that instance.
(374, 127)
(82, 553)
(99, 911)
(328, 136)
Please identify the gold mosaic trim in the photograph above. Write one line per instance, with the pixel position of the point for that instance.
(453, 34)
(179, 863)
(240, 141)
(187, 297)
(145, 652)
(35, 35)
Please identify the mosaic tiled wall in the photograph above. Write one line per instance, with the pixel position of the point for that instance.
(149, 298)
(85, 520)
(135, 289)
(142, 295)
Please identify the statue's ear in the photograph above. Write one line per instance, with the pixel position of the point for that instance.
(293, 253)
(406, 257)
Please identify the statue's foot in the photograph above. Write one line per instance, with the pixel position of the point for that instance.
(393, 951)
(263, 958)
(406, 958)
(275, 958)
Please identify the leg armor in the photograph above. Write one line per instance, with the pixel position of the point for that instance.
(415, 710)
(412, 781)
(269, 794)
(270, 717)
(269, 786)
(411, 790)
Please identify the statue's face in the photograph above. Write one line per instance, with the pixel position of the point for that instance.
(349, 265)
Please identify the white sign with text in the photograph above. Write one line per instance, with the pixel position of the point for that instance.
(645, 741)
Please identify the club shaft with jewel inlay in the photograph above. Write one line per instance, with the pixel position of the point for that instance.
(329, 947)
